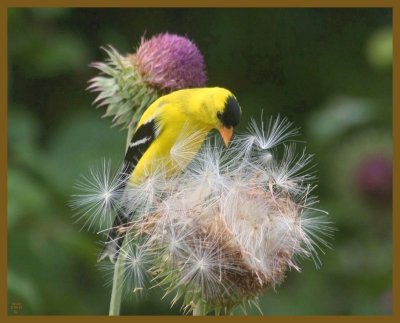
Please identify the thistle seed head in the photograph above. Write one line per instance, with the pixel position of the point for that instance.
(228, 226)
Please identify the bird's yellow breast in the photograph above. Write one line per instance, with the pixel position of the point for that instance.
(170, 153)
(184, 118)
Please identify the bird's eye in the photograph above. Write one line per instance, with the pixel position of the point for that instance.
(219, 115)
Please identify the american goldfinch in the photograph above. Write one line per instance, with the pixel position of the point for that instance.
(182, 113)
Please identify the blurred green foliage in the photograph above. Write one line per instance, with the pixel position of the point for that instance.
(328, 70)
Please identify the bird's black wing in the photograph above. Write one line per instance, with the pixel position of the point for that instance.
(140, 142)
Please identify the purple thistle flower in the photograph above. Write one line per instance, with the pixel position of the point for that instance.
(170, 62)
(127, 85)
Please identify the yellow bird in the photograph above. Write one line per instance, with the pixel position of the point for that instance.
(181, 113)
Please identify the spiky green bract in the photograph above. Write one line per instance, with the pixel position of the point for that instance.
(228, 226)
(122, 90)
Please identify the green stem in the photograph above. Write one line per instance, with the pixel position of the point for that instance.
(116, 294)
(199, 310)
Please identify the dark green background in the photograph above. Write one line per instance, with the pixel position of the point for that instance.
(327, 70)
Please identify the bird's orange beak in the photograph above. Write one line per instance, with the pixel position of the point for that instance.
(226, 134)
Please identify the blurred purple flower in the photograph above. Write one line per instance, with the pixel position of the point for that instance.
(374, 178)
(386, 301)
(170, 62)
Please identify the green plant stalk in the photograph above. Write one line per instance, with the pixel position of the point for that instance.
(199, 310)
(116, 294)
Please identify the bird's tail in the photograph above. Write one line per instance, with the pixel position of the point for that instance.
(115, 238)
(118, 230)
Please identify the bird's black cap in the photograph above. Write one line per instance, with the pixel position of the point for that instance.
(230, 117)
